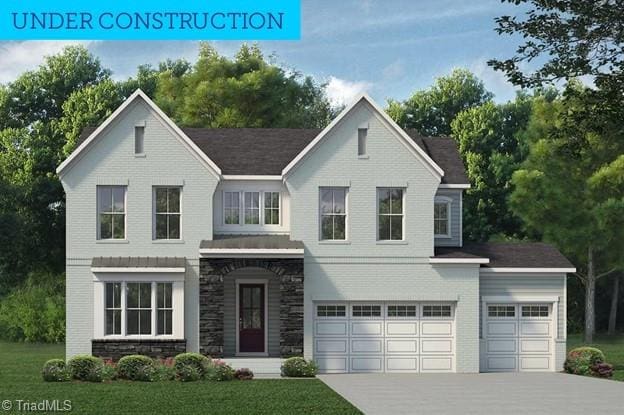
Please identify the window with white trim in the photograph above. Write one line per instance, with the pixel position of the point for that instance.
(333, 213)
(139, 138)
(164, 300)
(366, 310)
(139, 308)
(252, 208)
(535, 310)
(113, 308)
(436, 310)
(442, 217)
(362, 135)
(330, 310)
(167, 213)
(401, 310)
(390, 214)
(501, 311)
(271, 208)
(231, 208)
(111, 208)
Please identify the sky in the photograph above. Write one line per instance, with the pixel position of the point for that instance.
(387, 48)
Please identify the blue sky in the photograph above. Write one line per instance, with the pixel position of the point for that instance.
(388, 48)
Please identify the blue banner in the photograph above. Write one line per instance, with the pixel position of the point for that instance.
(150, 20)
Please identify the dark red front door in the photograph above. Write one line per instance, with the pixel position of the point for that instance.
(251, 318)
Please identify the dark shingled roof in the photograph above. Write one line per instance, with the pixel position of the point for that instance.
(138, 262)
(509, 255)
(251, 242)
(266, 151)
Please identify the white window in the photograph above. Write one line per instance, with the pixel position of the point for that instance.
(333, 213)
(271, 208)
(390, 214)
(442, 217)
(139, 308)
(113, 308)
(330, 310)
(436, 310)
(167, 213)
(501, 311)
(535, 310)
(402, 310)
(111, 206)
(252, 208)
(231, 208)
(362, 134)
(139, 138)
(164, 299)
(366, 310)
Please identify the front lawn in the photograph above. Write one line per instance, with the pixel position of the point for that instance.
(20, 379)
(612, 346)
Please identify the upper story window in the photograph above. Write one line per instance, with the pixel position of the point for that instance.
(139, 138)
(362, 135)
(333, 211)
(390, 214)
(271, 208)
(231, 208)
(252, 208)
(111, 207)
(442, 217)
(167, 213)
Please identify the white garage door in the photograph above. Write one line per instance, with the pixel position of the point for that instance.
(518, 337)
(384, 337)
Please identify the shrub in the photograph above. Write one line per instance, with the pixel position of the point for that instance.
(35, 311)
(199, 362)
(165, 369)
(54, 370)
(109, 371)
(220, 371)
(187, 373)
(298, 367)
(602, 370)
(136, 367)
(84, 367)
(581, 360)
(243, 374)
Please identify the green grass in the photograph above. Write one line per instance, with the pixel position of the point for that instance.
(20, 378)
(612, 347)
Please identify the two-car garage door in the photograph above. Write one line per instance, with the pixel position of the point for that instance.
(384, 337)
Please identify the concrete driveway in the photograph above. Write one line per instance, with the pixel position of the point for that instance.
(485, 393)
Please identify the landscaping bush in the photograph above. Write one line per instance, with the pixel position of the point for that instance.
(243, 374)
(581, 360)
(602, 370)
(220, 371)
(199, 362)
(109, 370)
(165, 369)
(84, 367)
(298, 367)
(136, 367)
(54, 370)
(35, 311)
(187, 373)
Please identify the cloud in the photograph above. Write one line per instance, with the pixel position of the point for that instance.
(494, 81)
(18, 57)
(342, 92)
(393, 71)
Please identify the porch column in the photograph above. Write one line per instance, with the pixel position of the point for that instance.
(291, 307)
(211, 298)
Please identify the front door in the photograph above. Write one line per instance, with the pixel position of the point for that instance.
(251, 328)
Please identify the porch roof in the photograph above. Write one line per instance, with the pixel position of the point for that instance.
(251, 245)
(138, 264)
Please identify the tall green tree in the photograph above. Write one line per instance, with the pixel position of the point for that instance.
(570, 192)
(431, 111)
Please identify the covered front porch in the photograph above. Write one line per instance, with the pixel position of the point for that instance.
(251, 300)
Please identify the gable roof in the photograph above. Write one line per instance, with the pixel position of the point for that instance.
(85, 142)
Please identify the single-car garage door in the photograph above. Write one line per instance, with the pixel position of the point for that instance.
(384, 337)
(518, 337)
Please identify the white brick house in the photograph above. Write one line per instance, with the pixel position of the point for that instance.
(343, 245)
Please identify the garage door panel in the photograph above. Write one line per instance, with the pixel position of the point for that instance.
(444, 346)
(502, 345)
(535, 328)
(502, 328)
(502, 363)
(436, 328)
(402, 328)
(366, 346)
(534, 345)
(537, 363)
(366, 328)
(401, 346)
(402, 364)
(436, 363)
(331, 328)
(332, 364)
(324, 346)
(367, 364)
